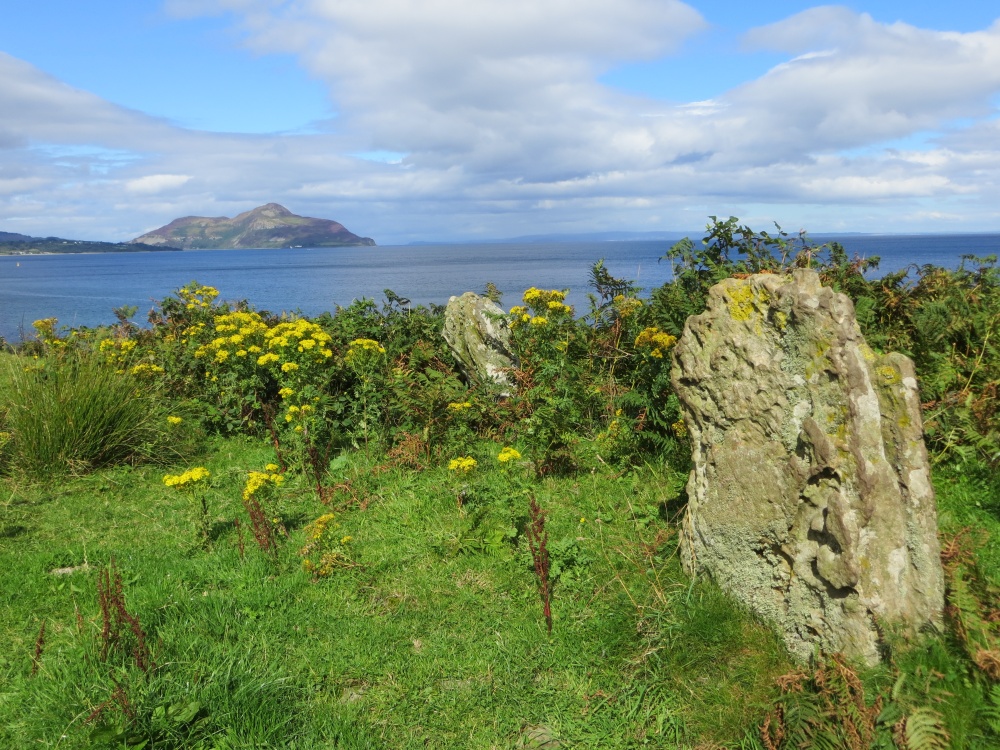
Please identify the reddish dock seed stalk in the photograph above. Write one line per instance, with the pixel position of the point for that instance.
(39, 647)
(538, 539)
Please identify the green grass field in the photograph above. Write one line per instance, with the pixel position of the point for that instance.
(434, 638)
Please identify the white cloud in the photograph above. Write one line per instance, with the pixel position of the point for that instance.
(458, 117)
(156, 183)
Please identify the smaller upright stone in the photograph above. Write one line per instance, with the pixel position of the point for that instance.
(477, 332)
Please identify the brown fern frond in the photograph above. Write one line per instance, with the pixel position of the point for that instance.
(772, 741)
(793, 682)
(988, 660)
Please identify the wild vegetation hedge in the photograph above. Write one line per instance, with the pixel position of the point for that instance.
(593, 385)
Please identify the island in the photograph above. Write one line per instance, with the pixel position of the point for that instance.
(268, 226)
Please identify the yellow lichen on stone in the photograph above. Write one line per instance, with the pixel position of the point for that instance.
(781, 320)
(888, 374)
(744, 301)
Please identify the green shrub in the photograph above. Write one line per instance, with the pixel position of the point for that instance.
(75, 413)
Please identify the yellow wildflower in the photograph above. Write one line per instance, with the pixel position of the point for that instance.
(257, 480)
(625, 306)
(145, 368)
(175, 420)
(462, 464)
(266, 359)
(508, 454)
(655, 340)
(189, 477)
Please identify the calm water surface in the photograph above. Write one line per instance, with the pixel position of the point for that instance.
(83, 289)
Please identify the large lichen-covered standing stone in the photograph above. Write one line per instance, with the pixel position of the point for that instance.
(810, 498)
(476, 331)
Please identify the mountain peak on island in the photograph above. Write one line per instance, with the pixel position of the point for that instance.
(270, 209)
(268, 226)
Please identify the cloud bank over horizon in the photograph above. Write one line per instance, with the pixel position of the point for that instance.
(458, 120)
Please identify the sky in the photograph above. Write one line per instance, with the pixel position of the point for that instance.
(457, 120)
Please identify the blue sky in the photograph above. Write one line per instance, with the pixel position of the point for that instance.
(461, 119)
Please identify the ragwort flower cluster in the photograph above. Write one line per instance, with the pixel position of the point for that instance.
(296, 353)
(654, 342)
(541, 307)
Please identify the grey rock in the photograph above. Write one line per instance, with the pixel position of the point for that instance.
(477, 332)
(810, 497)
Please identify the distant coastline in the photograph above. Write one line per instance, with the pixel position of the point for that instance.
(59, 246)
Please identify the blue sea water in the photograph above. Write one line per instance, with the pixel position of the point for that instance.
(82, 290)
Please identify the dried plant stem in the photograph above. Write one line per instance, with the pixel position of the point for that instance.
(115, 618)
(538, 539)
(36, 660)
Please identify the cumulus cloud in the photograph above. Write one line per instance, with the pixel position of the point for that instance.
(492, 112)
(156, 183)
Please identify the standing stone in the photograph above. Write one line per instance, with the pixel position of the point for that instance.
(476, 331)
(810, 498)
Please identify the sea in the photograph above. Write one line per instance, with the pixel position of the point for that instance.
(82, 290)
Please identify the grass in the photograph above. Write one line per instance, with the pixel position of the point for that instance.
(80, 415)
(431, 642)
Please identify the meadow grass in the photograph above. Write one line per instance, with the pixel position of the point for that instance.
(79, 413)
(426, 643)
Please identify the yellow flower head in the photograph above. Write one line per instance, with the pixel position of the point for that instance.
(539, 299)
(266, 359)
(359, 347)
(462, 464)
(188, 478)
(459, 406)
(625, 306)
(508, 454)
(146, 368)
(655, 340)
(175, 420)
(258, 480)
(289, 367)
